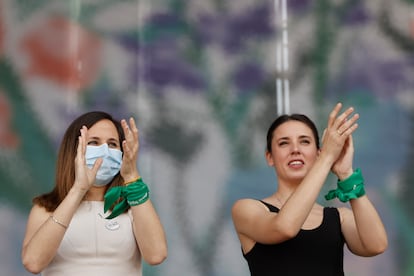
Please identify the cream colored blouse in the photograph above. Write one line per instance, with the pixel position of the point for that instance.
(95, 246)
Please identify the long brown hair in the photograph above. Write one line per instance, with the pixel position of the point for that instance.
(65, 167)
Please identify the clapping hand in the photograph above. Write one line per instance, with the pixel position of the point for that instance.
(130, 146)
(84, 176)
(337, 139)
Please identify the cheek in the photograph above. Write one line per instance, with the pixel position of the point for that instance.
(311, 155)
(277, 157)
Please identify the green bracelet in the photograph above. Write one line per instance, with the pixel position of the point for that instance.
(349, 188)
(133, 194)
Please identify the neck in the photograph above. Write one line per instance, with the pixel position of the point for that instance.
(95, 194)
(280, 198)
(283, 193)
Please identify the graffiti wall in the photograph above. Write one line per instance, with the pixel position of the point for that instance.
(200, 78)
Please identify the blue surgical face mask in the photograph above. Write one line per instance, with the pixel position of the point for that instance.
(112, 161)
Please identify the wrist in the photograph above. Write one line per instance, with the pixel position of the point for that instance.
(123, 197)
(77, 194)
(126, 183)
(349, 188)
(326, 160)
(131, 178)
(75, 190)
(344, 175)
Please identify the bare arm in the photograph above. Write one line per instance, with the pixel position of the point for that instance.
(252, 222)
(149, 233)
(44, 234)
(363, 229)
(148, 230)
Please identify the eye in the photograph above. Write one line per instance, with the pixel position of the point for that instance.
(305, 142)
(282, 143)
(113, 145)
(92, 143)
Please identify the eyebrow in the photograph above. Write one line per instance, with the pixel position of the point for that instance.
(300, 137)
(305, 136)
(113, 140)
(110, 139)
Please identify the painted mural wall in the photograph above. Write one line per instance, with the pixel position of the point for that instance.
(200, 77)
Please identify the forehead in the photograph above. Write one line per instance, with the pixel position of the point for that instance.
(292, 128)
(103, 129)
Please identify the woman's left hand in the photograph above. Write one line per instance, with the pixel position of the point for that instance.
(130, 145)
(343, 165)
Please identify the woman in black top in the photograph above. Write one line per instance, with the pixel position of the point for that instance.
(288, 233)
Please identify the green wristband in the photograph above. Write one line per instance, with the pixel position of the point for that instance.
(132, 194)
(349, 188)
(137, 193)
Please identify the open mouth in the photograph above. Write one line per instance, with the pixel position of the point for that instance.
(295, 163)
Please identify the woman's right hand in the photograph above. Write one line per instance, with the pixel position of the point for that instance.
(84, 176)
(339, 129)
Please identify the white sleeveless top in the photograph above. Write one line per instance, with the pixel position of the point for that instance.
(95, 246)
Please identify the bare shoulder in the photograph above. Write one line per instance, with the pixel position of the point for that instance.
(248, 203)
(37, 216)
(247, 207)
(39, 210)
(254, 222)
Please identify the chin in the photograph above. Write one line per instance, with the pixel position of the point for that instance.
(298, 177)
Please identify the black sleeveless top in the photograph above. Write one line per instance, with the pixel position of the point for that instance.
(315, 252)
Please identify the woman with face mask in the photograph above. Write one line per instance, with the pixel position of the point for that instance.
(288, 232)
(98, 219)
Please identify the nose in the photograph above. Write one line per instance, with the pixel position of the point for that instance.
(294, 148)
(105, 148)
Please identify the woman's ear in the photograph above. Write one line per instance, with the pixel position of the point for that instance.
(269, 158)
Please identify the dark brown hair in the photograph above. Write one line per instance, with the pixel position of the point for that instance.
(285, 118)
(65, 166)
